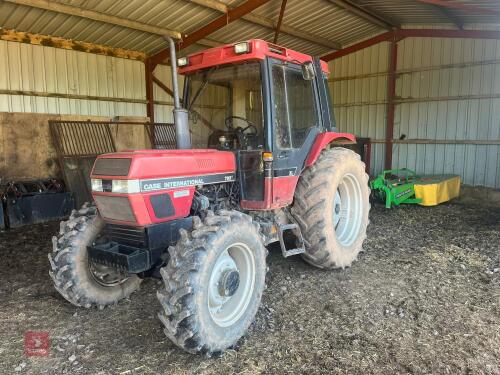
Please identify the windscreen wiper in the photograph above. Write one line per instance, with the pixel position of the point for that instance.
(202, 87)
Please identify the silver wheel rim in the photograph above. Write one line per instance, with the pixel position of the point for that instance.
(106, 276)
(347, 210)
(228, 304)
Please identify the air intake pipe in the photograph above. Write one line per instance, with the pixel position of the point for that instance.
(182, 135)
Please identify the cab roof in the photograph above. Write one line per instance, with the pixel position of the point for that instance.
(257, 50)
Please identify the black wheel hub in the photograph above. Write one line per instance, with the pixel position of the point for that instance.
(229, 283)
(337, 208)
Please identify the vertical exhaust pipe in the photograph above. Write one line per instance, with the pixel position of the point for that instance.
(182, 136)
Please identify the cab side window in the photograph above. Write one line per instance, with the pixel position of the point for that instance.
(294, 105)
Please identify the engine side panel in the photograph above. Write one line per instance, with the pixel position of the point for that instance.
(165, 181)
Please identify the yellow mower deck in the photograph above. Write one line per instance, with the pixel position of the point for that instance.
(433, 190)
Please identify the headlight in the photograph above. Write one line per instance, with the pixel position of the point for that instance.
(240, 48)
(182, 61)
(96, 184)
(125, 186)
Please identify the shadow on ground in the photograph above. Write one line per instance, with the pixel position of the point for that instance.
(423, 298)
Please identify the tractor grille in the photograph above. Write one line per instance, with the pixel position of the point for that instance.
(115, 208)
(125, 235)
(112, 166)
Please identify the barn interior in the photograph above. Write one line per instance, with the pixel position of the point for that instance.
(416, 81)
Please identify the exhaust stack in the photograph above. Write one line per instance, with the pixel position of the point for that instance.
(182, 136)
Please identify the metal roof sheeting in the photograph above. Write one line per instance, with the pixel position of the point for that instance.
(412, 11)
(318, 17)
(321, 18)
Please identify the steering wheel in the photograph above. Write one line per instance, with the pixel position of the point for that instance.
(229, 124)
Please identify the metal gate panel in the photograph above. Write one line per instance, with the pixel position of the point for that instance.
(162, 136)
(78, 143)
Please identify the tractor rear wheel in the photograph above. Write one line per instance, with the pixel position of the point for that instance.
(75, 278)
(213, 283)
(331, 205)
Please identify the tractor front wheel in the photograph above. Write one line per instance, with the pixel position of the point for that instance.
(331, 205)
(77, 279)
(213, 283)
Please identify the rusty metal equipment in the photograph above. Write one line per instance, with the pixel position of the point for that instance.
(32, 202)
(363, 147)
(162, 136)
(78, 143)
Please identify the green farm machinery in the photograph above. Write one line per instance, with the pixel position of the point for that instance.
(397, 186)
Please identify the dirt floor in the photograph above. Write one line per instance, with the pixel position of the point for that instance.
(423, 298)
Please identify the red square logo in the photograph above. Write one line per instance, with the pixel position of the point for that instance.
(36, 343)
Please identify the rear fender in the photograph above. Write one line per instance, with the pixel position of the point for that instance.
(323, 140)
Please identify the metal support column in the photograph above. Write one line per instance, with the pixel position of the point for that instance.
(280, 20)
(391, 105)
(150, 109)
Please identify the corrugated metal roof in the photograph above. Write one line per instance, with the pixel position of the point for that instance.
(321, 18)
(413, 11)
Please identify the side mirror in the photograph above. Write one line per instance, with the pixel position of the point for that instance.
(308, 72)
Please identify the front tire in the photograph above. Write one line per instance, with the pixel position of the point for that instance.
(78, 281)
(214, 282)
(331, 205)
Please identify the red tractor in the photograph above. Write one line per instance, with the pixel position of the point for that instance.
(258, 162)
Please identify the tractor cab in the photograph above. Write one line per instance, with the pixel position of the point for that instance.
(265, 103)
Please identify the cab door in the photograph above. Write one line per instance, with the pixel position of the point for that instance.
(296, 121)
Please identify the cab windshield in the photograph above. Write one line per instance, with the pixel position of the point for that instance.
(226, 101)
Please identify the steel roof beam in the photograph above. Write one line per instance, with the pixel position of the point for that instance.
(368, 15)
(280, 21)
(217, 24)
(448, 15)
(463, 7)
(71, 10)
(445, 33)
(359, 46)
(398, 34)
(271, 24)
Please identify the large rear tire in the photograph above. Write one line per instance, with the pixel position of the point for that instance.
(77, 280)
(214, 282)
(331, 205)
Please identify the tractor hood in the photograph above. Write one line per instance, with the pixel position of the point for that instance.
(160, 164)
(152, 186)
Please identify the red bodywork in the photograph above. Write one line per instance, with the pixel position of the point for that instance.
(325, 139)
(164, 164)
(259, 50)
(156, 164)
(279, 191)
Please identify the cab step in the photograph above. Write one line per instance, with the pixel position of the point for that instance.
(295, 229)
